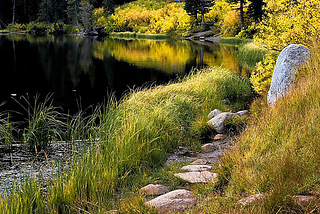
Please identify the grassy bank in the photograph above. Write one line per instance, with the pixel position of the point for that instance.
(278, 155)
(248, 53)
(234, 41)
(134, 135)
(133, 35)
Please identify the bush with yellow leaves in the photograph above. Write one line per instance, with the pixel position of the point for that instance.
(286, 22)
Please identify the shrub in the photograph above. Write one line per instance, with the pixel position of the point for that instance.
(38, 28)
(231, 23)
(261, 77)
(16, 27)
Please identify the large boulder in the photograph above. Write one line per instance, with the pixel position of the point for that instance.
(284, 72)
(175, 201)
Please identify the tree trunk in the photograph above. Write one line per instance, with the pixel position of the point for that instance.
(13, 10)
(76, 17)
(241, 14)
(203, 23)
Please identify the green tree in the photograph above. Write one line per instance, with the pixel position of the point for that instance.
(85, 14)
(45, 12)
(73, 12)
(255, 9)
(108, 6)
(195, 7)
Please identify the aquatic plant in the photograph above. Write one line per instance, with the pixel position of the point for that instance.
(44, 121)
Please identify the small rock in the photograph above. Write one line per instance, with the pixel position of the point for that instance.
(200, 162)
(196, 168)
(251, 199)
(197, 177)
(218, 121)
(242, 113)
(113, 212)
(175, 201)
(304, 200)
(152, 189)
(214, 113)
(219, 137)
(209, 147)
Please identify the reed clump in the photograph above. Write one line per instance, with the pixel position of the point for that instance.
(134, 136)
(134, 35)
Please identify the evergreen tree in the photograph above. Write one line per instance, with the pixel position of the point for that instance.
(195, 7)
(45, 12)
(73, 12)
(255, 9)
(192, 7)
(85, 14)
(108, 6)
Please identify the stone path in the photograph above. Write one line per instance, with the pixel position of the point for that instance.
(199, 171)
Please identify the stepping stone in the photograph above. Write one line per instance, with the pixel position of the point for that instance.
(250, 200)
(209, 147)
(197, 177)
(196, 168)
(304, 200)
(219, 137)
(153, 189)
(200, 162)
(174, 201)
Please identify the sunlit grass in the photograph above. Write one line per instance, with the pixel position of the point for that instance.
(133, 35)
(134, 136)
(279, 153)
(249, 54)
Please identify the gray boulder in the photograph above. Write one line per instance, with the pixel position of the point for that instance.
(218, 121)
(175, 201)
(196, 168)
(197, 177)
(284, 72)
(214, 113)
(152, 189)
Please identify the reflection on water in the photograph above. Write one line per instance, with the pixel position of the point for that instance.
(74, 67)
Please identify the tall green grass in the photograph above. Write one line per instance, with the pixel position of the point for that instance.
(278, 155)
(45, 122)
(233, 41)
(135, 135)
(133, 35)
(250, 54)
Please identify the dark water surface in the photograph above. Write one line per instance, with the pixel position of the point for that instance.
(83, 71)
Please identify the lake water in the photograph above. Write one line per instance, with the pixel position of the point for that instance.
(83, 71)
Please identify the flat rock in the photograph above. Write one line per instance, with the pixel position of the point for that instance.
(288, 60)
(197, 177)
(218, 121)
(154, 189)
(304, 200)
(196, 168)
(250, 200)
(214, 113)
(174, 201)
(200, 162)
(219, 137)
(209, 147)
(242, 113)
